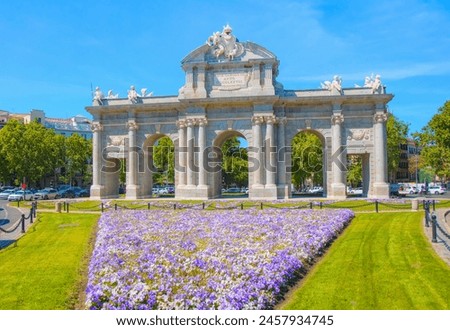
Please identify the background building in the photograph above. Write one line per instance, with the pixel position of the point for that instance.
(77, 124)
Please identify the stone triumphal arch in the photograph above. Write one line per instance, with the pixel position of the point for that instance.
(231, 90)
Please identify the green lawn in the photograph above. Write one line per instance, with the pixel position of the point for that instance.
(45, 269)
(382, 261)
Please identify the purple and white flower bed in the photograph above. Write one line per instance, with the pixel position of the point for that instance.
(193, 259)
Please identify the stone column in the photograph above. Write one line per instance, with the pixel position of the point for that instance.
(190, 153)
(132, 168)
(338, 165)
(257, 151)
(381, 187)
(96, 189)
(270, 153)
(281, 152)
(202, 146)
(181, 124)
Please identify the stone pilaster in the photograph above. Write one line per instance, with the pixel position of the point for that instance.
(190, 153)
(338, 158)
(257, 151)
(182, 148)
(97, 150)
(132, 165)
(380, 186)
(270, 152)
(282, 184)
(202, 146)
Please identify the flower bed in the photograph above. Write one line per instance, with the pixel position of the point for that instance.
(193, 259)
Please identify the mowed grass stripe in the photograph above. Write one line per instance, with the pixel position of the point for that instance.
(382, 261)
(45, 269)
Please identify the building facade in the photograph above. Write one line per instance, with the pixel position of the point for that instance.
(231, 90)
(75, 125)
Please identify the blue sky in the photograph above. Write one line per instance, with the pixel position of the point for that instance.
(52, 51)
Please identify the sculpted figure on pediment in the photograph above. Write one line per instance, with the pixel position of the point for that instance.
(224, 43)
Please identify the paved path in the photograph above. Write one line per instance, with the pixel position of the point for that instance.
(9, 219)
(442, 247)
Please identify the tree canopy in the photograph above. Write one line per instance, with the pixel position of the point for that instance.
(434, 140)
(29, 152)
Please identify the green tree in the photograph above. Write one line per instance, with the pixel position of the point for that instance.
(354, 170)
(164, 161)
(234, 163)
(434, 140)
(27, 151)
(397, 134)
(307, 159)
(77, 151)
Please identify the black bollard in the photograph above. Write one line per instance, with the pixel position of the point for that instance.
(175, 206)
(311, 205)
(148, 206)
(115, 207)
(433, 228)
(203, 205)
(261, 205)
(242, 206)
(376, 206)
(320, 205)
(23, 223)
(102, 207)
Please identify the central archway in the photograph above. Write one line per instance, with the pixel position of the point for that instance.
(231, 159)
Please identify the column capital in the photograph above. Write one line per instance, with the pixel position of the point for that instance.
(380, 117)
(270, 120)
(190, 122)
(202, 122)
(96, 127)
(337, 119)
(257, 120)
(132, 125)
(181, 123)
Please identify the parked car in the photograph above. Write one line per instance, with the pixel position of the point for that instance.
(4, 194)
(356, 191)
(83, 193)
(171, 190)
(394, 189)
(47, 193)
(21, 195)
(315, 190)
(67, 193)
(436, 190)
(234, 190)
(163, 191)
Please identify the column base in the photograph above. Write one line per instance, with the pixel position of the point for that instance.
(96, 192)
(380, 190)
(337, 191)
(132, 191)
(192, 192)
(261, 192)
(283, 191)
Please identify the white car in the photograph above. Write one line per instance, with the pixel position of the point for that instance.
(435, 190)
(21, 195)
(47, 193)
(5, 194)
(355, 191)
